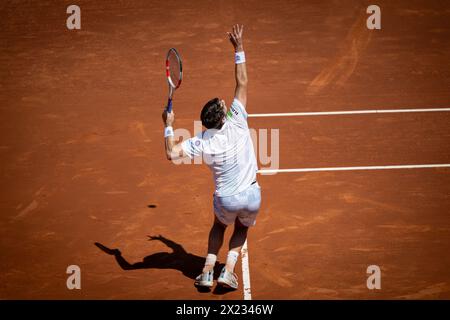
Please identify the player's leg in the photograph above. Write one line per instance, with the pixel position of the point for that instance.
(246, 217)
(215, 242)
(236, 242)
(221, 220)
(227, 276)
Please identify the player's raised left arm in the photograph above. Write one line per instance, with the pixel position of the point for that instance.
(240, 68)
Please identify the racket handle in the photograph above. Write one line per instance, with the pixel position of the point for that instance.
(169, 105)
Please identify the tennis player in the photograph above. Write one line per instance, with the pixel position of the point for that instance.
(227, 149)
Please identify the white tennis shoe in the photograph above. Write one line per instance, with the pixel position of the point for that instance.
(228, 279)
(206, 279)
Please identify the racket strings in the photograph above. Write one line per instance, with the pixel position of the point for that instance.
(174, 68)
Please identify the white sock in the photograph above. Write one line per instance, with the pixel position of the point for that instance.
(210, 262)
(231, 260)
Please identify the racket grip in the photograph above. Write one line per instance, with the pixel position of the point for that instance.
(169, 105)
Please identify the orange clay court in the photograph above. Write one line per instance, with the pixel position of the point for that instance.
(82, 148)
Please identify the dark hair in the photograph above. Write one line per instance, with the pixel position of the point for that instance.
(212, 114)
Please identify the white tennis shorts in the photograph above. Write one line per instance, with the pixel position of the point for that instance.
(244, 206)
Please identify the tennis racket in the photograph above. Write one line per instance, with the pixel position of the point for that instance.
(174, 73)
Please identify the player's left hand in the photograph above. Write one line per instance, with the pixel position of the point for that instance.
(235, 37)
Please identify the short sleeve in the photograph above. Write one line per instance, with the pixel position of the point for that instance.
(193, 147)
(237, 112)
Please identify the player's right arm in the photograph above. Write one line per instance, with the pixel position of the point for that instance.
(174, 150)
(240, 68)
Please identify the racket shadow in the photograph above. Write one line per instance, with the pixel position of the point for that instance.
(188, 264)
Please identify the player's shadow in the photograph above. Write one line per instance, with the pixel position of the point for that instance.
(179, 259)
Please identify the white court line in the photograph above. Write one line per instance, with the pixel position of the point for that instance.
(330, 113)
(246, 272)
(409, 166)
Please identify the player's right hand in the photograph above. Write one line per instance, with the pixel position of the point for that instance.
(168, 118)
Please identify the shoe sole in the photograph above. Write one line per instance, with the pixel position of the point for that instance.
(204, 284)
(225, 284)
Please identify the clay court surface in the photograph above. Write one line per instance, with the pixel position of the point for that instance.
(82, 149)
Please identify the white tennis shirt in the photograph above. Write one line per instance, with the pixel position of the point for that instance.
(228, 152)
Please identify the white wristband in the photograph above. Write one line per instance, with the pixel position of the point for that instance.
(168, 132)
(239, 57)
